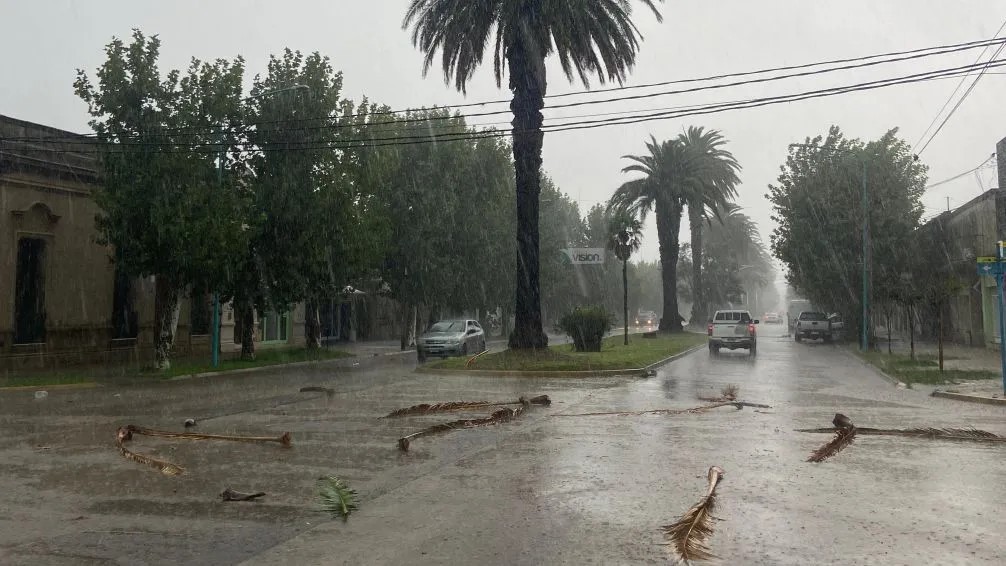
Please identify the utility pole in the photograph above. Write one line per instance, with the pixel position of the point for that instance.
(864, 339)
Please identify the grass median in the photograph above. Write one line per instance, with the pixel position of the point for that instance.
(180, 367)
(614, 355)
(924, 369)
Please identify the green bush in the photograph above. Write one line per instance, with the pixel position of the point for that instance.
(586, 326)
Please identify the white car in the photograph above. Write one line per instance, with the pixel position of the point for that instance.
(733, 329)
(451, 338)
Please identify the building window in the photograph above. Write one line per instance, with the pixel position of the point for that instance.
(274, 326)
(29, 292)
(124, 319)
(201, 313)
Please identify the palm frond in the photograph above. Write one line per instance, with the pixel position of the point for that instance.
(736, 404)
(450, 406)
(688, 536)
(968, 434)
(728, 393)
(843, 438)
(336, 497)
(124, 435)
(283, 439)
(231, 495)
(497, 417)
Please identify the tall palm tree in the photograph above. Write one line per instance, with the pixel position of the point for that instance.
(665, 170)
(715, 185)
(626, 235)
(590, 37)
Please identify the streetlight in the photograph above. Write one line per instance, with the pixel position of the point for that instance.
(215, 340)
(864, 335)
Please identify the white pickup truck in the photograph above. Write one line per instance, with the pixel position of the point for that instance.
(811, 325)
(732, 329)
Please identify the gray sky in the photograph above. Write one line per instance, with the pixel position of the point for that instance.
(44, 42)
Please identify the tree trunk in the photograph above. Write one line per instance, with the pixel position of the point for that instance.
(167, 301)
(939, 338)
(246, 314)
(527, 82)
(699, 313)
(668, 225)
(888, 318)
(911, 332)
(408, 336)
(625, 298)
(312, 325)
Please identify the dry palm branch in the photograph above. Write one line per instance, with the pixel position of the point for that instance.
(737, 404)
(124, 435)
(688, 536)
(497, 417)
(283, 439)
(967, 434)
(428, 408)
(472, 359)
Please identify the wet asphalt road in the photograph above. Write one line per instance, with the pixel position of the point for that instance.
(543, 490)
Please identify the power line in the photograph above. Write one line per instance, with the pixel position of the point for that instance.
(891, 57)
(959, 175)
(585, 124)
(964, 96)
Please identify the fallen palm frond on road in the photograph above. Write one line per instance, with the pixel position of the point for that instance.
(843, 438)
(688, 537)
(428, 408)
(336, 497)
(283, 439)
(737, 404)
(124, 435)
(471, 360)
(497, 417)
(966, 434)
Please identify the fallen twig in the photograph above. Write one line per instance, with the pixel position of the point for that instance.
(688, 536)
(500, 416)
(968, 434)
(328, 391)
(426, 408)
(231, 495)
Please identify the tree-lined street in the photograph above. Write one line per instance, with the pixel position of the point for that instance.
(542, 489)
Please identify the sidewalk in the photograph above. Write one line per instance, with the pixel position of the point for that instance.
(957, 357)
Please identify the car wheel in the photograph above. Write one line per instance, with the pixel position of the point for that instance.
(464, 349)
(421, 356)
(753, 350)
(797, 337)
(483, 346)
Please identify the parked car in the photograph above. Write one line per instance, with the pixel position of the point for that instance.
(772, 318)
(812, 325)
(646, 318)
(451, 338)
(837, 324)
(732, 329)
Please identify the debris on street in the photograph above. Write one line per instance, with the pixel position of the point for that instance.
(336, 497)
(688, 536)
(498, 417)
(728, 393)
(737, 404)
(450, 406)
(845, 433)
(125, 434)
(231, 495)
(328, 391)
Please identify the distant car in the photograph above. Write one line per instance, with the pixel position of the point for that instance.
(732, 329)
(772, 318)
(451, 338)
(646, 318)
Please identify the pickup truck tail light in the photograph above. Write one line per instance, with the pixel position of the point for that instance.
(751, 329)
(709, 329)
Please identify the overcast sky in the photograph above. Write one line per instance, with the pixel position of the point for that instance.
(44, 42)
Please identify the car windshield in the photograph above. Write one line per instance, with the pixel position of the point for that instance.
(812, 316)
(448, 326)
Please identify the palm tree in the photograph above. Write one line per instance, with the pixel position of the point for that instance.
(666, 169)
(626, 236)
(716, 181)
(589, 38)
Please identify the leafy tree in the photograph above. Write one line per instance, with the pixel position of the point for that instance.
(816, 206)
(164, 208)
(563, 286)
(706, 197)
(594, 38)
(665, 169)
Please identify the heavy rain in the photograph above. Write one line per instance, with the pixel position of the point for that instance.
(502, 282)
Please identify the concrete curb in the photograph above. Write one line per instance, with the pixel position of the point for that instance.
(890, 379)
(969, 398)
(572, 373)
(264, 368)
(53, 387)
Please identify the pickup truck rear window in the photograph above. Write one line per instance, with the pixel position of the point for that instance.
(813, 316)
(732, 316)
